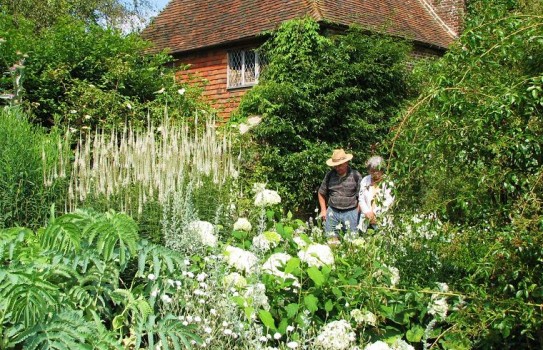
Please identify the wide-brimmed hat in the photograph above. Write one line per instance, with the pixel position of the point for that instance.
(339, 157)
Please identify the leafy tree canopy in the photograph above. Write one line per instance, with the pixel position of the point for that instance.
(86, 75)
(111, 13)
(470, 145)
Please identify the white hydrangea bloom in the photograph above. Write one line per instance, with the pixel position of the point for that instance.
(395, 276)
(364, 317)
(266, 240)
(275, 262)
(336, 335)
(317, 255)
(438, 306)
(378, 345)
(256, 294)
(401, 344)
(205, 230)
(266, 198)
(240, 259)
(242, 224)
(300, 242)
(234, 279)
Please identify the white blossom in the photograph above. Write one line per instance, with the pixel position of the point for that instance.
(151, 277)
(378, 345)
(275, 262)
(240, 259)
(336, 335)
(242, 224)
(438, 306)
(364, 317)
(266, 240)
(266, 198)
(205, 230)
(234, 279)
(317, 255)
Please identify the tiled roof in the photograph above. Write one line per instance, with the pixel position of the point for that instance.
(186, 25)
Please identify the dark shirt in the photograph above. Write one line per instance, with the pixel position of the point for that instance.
(341, 191)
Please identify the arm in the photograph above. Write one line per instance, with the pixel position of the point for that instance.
(322, 204)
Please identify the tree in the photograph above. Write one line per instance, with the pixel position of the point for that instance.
(470, 145)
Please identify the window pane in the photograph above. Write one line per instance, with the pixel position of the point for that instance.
(235, 65)
(250, 67)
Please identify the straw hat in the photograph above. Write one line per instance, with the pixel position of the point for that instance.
(339, 157)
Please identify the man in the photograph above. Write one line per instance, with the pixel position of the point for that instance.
(338, 197)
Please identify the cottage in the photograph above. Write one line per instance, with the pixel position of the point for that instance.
(216, 38)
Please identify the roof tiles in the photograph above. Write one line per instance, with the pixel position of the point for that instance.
(186, 25)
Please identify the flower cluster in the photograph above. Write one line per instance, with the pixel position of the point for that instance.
(364, 317)
(317, 255)
(240, 259)
(275, 262)
(266, 240)
(399, 344)
(234, 279)
(336, 335)
(242, 224)
(205, 231)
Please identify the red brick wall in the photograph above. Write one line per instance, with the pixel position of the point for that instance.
(208, 69)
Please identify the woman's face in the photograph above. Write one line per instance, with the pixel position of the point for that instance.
(376, 175)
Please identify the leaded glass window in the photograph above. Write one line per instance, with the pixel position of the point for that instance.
(243, 68)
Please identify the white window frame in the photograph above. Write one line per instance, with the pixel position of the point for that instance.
(243, 83)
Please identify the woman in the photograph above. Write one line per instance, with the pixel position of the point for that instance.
(375, 195)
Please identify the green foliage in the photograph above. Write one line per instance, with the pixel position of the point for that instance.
(317, 93)
(48, 13)
(60, 286)
(470, 146)
(24, 199)
(84, 75)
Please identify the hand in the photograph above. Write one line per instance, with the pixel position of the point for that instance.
(371, 217)
(323, 215)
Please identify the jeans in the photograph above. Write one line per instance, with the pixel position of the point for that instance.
(341, 220)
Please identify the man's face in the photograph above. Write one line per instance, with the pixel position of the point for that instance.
(342, 168)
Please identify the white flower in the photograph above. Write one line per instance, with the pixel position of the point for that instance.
(378, 345)
(443, 287)
(256, 296)
(166, 298)
(363, 317)
(277, 336)
(438, 306)
(201, 277)
(317, 255)
(155, 292)
(234, 279)
(242, 224)
(151, 277)
(336, 335)
(240, 259)
(205, 231)
(181, 91)
(395, 276)
(400, 344)
(160, 91)
(266, 240)
(276, 261)
(266, 198)
(292, 345)
(290, 328)
(300, 242)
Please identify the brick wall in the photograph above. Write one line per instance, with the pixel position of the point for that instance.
(208, 69)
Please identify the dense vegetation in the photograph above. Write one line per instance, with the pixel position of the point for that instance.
(319, 92)
(459, 268)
